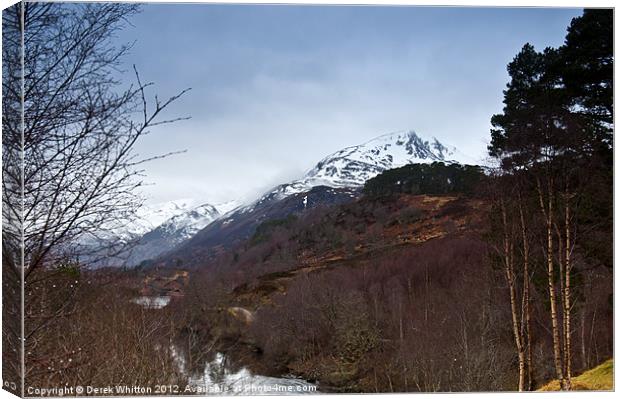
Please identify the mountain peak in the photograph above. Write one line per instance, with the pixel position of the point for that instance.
(352, 166)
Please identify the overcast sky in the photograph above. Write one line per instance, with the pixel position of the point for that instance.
(277, 88)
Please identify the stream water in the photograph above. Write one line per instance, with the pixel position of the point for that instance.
(220, 378)
(152, 302)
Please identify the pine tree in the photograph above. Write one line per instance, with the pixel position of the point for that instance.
(556, 129)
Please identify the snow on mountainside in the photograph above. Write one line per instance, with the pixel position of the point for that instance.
(239, 225)
(349, 167)
(335, 179)
(184, 225)
(174, 222)
(352, 166)
(228, 206)
(183, 214)
(164, 226)
(152, 216)
(146, 218)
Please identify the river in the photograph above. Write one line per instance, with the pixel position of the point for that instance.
(219, 378)
(152, 302)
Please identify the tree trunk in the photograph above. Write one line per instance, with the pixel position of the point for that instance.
(548, 214)
(510, 278)
(584, 359)
(526, 298)
(567, 310)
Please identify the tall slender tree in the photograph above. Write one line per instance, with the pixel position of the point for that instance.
(556, 124)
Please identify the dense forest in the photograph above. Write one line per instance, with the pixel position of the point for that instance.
(438, 277)
(434, 178)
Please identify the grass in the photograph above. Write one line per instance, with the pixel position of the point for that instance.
(600, 378)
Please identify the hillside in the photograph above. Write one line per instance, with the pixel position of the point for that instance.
(349, 235)
(395, 289)
(239, 225)
(343, 284)
(337, 178)
(600, 378)
(353, 166)
(392, 288)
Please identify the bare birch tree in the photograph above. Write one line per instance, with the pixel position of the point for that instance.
(68, 118)
(514, 237)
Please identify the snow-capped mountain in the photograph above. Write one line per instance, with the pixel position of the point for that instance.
(353, 166)
(185, 224)
(152, 231)
(171, 232)
(186, 215)
(225, 207)
(175, 226)
(350, 167)
(175, 222)
(238, 225)
(151, 216)
(336, 179)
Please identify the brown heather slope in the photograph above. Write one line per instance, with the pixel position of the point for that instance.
(389, 294)
(437, 217)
